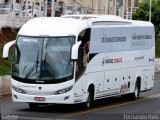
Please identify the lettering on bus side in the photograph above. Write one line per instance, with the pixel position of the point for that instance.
(107, 60)
(30, 40)
(141, 37)
(139, 58)
(113, 39)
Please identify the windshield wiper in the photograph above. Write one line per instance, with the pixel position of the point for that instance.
(35, 65)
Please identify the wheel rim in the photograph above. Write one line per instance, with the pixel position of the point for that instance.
(136, 91)
(88, 100)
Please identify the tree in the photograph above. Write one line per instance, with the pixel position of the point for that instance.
(142, 13)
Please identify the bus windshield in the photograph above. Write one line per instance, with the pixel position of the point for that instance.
(42, 59)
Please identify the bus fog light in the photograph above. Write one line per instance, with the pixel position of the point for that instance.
(67, 97)
(15, 96)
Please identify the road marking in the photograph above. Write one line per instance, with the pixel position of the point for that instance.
(108, 107)
(34, 118)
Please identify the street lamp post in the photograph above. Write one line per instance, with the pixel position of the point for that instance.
(127, 9)
(26, 6)
(13, 3)
(10, 7)
(150, 11)
(46, 8)
(40, 8)
(106, 4)
(96, 7)
(92, 6)
(132, 3)
(53, 9)
(122, 8)
(115, 6)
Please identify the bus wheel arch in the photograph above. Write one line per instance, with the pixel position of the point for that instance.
(138, 81)
(90, 96)
(137, 89)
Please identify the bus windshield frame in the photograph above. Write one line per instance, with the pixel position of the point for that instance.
(43, 60)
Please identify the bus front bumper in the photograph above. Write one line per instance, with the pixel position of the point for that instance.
(66, 98)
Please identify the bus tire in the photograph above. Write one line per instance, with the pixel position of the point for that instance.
(33, 106)
(135, 94)
(90, 97)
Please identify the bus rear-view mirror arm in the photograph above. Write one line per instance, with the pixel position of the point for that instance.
(6, 49)
(74, 54)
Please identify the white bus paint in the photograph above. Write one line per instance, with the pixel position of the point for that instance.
(116, 57)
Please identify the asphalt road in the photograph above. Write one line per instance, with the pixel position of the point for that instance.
(147, 107)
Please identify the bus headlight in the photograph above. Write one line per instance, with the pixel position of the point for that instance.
(19, 90)
(65, 90)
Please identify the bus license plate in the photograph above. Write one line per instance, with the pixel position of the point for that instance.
(39, 98)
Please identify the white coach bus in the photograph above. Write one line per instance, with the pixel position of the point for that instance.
(81, 58)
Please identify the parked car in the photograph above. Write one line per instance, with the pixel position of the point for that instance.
(33, 10)
(70, 9)
(49, 9)
(5, 8)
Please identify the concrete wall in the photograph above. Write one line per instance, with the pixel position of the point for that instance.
(12, 21)
(157, 65)
(1, 1)
(5, 81)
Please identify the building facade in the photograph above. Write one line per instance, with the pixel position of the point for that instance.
(102, 6)
(112, 7)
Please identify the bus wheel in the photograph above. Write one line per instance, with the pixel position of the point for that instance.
(135, 95)
(33, 105)
(89, 100)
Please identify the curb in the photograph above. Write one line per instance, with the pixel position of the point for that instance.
(5, 83)
(157, 65)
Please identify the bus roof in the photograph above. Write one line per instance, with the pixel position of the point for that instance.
(70, 25)
(52, 26)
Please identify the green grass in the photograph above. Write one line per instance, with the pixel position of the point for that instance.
(158, 47)
(5, 66)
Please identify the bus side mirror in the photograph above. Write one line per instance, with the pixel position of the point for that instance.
(6, 49)
(74, 54)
